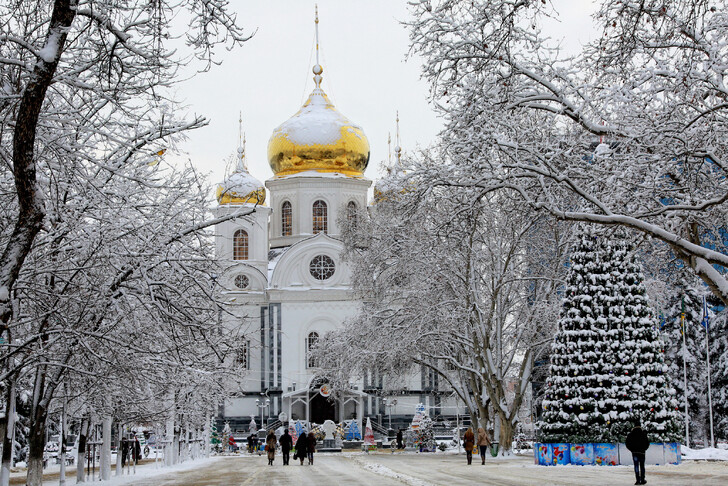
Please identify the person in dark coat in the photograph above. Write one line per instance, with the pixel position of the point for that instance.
(137, 452)
(310, 447)
(400, 439)
(469, 444)
(124, 451)
(301, 447)
(638, 443)
(250, 443)
(286, 442)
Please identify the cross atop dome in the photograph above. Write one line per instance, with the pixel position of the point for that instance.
(240, 187)
(318, 138)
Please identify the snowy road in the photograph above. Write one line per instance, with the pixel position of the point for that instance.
(425, 470)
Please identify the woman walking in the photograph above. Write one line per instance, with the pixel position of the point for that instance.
(483, 443)
(270, 447)
(469, 444)
(311, 447)
(301, 448)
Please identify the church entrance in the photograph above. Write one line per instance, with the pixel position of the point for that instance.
(321, 408)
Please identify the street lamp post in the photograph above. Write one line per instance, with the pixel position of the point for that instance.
(389, 404)
(262, 405)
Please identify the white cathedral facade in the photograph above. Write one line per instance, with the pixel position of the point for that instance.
(284, 279)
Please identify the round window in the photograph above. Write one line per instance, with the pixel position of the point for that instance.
(322, 267)
(242, 281)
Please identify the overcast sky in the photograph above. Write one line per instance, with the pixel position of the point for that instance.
(363, 48)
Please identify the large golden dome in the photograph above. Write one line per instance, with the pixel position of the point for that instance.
(318, 138)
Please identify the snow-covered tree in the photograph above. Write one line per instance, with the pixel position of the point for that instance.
(460, 284)
(688, 299)
(607, 361)
(719, 366)
(426, 434)
(630, 131)
(84, 88)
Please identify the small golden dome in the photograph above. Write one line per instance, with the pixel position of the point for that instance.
(318, 138)
(240, 187)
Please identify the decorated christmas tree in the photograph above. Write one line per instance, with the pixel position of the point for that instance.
(607, 362)
(369, 436)
(426, 435)
(214, 436)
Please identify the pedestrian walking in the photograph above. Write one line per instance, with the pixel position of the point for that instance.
(124, 451)
(483, 443)
(250, 444)
(270, 447)
(137, 452)
(310, 447)
(301, 447)
(637, 442)
(400, 439)
(469, 444)
(286, 442)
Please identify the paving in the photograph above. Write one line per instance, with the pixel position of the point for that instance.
(425, 470)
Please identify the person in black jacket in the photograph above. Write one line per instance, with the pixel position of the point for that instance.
(301, 446)
(286, 442)
(638, 443)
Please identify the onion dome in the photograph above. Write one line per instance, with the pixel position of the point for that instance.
(318, 138)
(240, 187)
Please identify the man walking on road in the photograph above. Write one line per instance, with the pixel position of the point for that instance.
(638, 443)
(286, 442)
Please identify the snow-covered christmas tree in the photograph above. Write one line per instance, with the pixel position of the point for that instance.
(426, 435)
(607, 362)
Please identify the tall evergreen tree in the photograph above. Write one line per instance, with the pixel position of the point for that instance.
(719, 368)
(688, 299)
(607, 363)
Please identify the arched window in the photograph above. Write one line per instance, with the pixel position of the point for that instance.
(351, 212)
(286, 219)
(320, 220)
(240, 245)
(311, 342)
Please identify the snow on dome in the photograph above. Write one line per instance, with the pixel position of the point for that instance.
(240, 187)
(318, 138)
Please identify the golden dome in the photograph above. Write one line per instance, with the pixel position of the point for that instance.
(318, 138)
(240, 187)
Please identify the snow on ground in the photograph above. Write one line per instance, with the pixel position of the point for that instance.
(145, 471)
(709, 453)
(385, 471)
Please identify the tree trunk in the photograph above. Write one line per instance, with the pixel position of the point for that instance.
(119, 469)
(81, 458)
(36, 445)
(8, 433)
(62, 478)
(169, 441)
(30, 201)
(505, 438)
(105, 466)
(206, 435)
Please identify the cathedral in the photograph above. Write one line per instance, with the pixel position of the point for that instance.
(284, 279)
